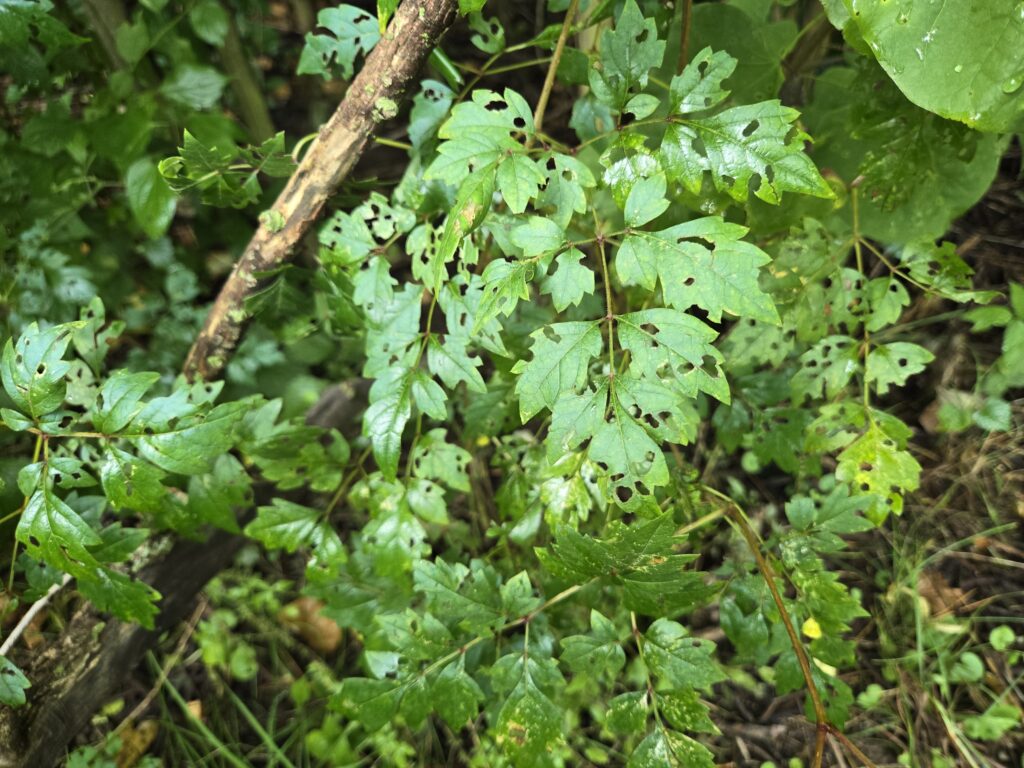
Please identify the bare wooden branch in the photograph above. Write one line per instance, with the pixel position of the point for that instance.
(372, 98)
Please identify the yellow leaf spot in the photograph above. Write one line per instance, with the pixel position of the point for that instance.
(812, 628)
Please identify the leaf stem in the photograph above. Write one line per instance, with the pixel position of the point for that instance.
(860, 268)
(556, 57)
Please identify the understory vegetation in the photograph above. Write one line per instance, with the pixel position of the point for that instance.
(647, 394)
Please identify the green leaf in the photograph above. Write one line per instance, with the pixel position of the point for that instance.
(667, 749)
(13, 684)
(436, 459)
(452, 363)
(677, 658)
(913, 43)
(194, 86)
(538, 235)
(216, 496)
(386, 418)
(672, 347)
(119, 400)
(596, 653)
(373, 702)
(826, 368)
(529, 724)
(561, 357)
(894, 363)
(699, 86)
(52, 530)
(33, 369)
(130, 483)
(876, 467)
(685, 711)
(457, 696)
(993, 723)
(209, 21)
(627, 712)
(646, 200)
(472, 204)
(640, 557)
(702, 262)
(570, 282)
(353, 31)
(287, 525)
(469, 594)
(742, 148)
(518, 180)
(193, 443)
(628, 53)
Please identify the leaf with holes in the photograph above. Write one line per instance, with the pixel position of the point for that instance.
(826, 368)
(890, 364)
(628, 53)
(571, 280)
(876, 467)
(33, 369)
(674, 348)
(353, 31)
(751, 147)
(701, 262)
(561, 358)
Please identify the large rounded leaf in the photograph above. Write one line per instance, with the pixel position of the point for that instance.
(958, 58)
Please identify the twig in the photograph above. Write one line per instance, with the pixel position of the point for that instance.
(169, 664)
(30, 614)
(556, 57)
(684, 34)
(371, 99)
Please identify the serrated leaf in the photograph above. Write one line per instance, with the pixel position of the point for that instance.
(469, 594)
(373, 702)
(700, 262)
(385, 420)
(893, 364)
(571, 280)
(825, 368)
(518, 180)
(150, 199)
(287, 525)
(674, 348)
(33, 369)
(667, 749)
(639, 557)
(596, 653)
(192, 444)
(628, 53)
(699, 86)
(119, 400)
(457, 696)
(876, 467)
(352, 31)
(561, 358)
(436, 459)
(472, 203)
(529, 724)
(452, 363)
(677, 658)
